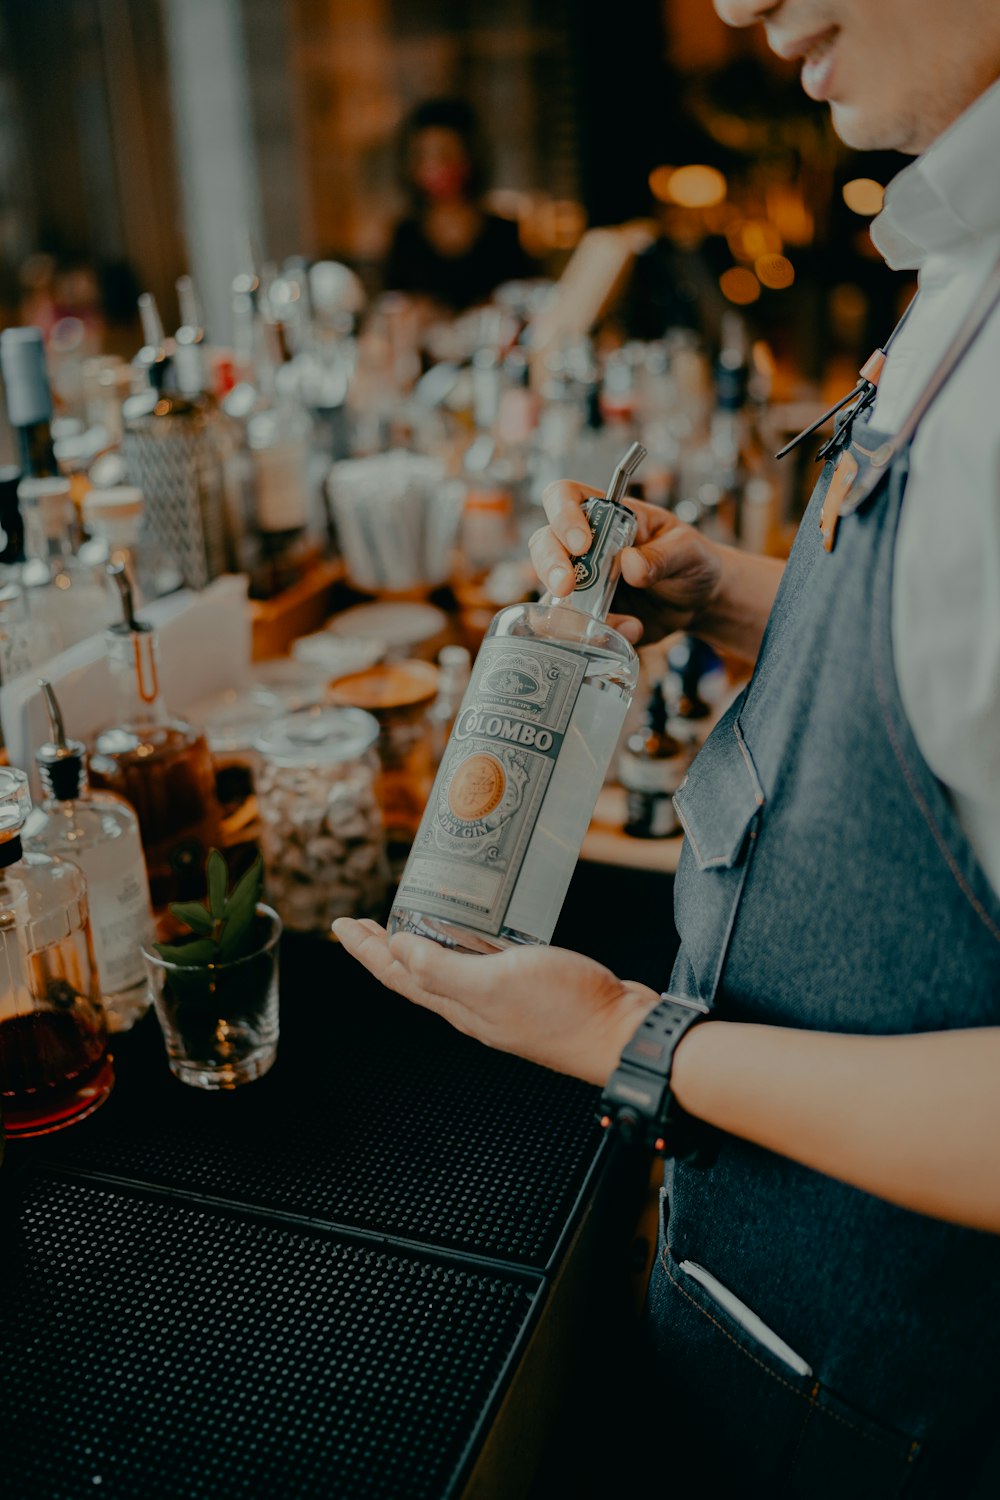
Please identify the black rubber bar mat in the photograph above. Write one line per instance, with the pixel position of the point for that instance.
(154, 1348)
(376, 1116)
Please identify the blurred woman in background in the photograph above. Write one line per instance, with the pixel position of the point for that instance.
(449, 249)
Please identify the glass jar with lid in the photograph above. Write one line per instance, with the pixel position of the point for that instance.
(321, 824)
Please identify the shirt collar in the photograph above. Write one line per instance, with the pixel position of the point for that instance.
(946, 195)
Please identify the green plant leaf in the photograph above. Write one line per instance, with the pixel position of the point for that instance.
(194, 914)
(189, 955)
(241, 908)
(247, 888)
(218, 879)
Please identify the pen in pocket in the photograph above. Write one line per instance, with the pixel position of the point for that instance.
(746, 1317)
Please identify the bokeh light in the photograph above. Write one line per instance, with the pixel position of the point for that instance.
(697, 186)
(863, 195)
(739, 285)
(750, 238)
(659, 183)
(774, 271)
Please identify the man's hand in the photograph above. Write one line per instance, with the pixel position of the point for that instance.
(669, 577)
(554, 1007)
(672, 579)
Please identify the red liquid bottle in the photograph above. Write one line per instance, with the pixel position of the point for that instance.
(55, 1067)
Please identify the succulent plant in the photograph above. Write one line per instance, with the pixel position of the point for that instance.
(224, 924)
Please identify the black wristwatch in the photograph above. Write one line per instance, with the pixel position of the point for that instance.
(637, 1100)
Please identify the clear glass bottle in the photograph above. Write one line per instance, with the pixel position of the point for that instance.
(61, 591)
(114, 519)
(454, 668)
(54, 1062)
(278, 499)
(25, 641)
(527, 757)
(99, 833)
(159, 764)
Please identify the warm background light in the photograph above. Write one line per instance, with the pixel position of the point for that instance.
(739, 285)
(774, 271)
(749, 238)
(864, 195)
(659, 183)
(697, 186)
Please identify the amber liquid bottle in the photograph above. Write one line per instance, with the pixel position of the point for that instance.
(55, 1067)
(158, 763)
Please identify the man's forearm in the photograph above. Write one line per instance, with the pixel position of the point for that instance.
(912, 1119)
(738, 614)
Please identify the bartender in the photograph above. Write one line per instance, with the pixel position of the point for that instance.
(824, 1077)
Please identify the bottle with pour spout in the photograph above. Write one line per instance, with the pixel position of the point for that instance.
(158, 763)
(527, 757)
(99, 833)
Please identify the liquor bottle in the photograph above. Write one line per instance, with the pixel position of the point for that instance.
(29, 411)
(29, 399)
(453, 667)
(159, 764)
(190, 366)
(695, 681)
(100, 834)
(10, 517)
(62, 594)
(114, 517)
(651, 767)
(533, 739)
(54, 1062)
(278, 504)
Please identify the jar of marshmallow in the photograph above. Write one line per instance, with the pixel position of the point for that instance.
(321, 824)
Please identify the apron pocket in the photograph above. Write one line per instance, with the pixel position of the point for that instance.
(741, 1417)
(719, 805)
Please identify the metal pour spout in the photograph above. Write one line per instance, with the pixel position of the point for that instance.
(116, 572)
(623, 473)
(54, 713)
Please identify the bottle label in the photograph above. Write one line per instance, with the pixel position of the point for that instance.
(491, 783)
(119, 909)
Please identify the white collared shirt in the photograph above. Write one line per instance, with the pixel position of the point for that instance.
(942, 217)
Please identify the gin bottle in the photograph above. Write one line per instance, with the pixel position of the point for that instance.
(527, 757)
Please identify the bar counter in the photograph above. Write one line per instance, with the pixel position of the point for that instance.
(375, 1272)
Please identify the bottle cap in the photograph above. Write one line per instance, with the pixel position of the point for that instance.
(15, 802)
(453, 658)
(62, 763)
(22, 359)
(119, 502)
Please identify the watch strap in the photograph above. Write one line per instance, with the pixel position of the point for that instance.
(637, 1098)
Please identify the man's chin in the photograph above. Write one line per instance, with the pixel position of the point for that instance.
(863, 133)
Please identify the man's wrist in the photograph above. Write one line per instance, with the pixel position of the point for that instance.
(635, 1004)
(638, 1099)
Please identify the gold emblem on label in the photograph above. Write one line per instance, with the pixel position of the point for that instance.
(477, 787)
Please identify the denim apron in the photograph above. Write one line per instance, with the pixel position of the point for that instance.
(827, 883)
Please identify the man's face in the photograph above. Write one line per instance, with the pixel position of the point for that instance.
(895, 73)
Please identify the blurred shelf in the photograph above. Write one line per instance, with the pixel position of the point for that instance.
(606, 844)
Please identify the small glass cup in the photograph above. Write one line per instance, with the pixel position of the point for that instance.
(220, 1021)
